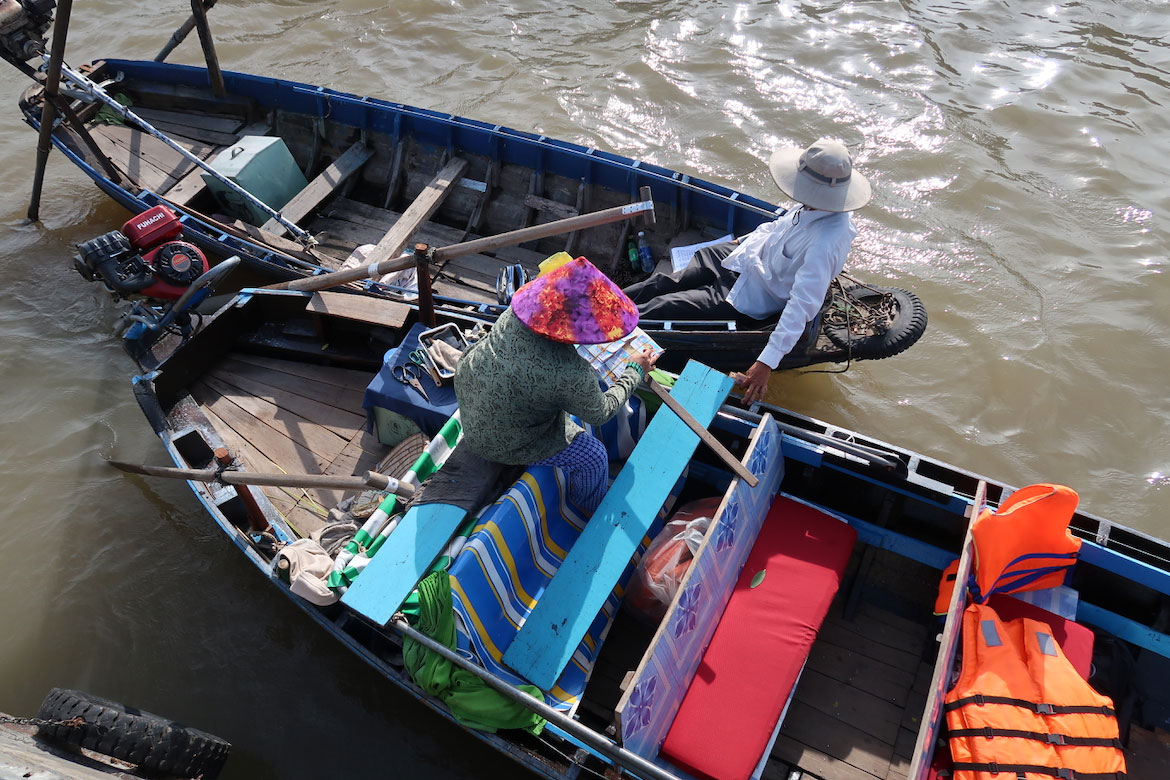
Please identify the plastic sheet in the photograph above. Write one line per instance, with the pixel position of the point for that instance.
(661, 571)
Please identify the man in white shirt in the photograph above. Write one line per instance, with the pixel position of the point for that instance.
(782, 267)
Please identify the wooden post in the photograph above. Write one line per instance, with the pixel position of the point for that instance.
(79, 127)
(256, 519)
(49, 104)
(426, 301)
(213, 73)
(181, 34)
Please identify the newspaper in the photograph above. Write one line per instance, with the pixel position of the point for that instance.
(680, 256)
(609, 360)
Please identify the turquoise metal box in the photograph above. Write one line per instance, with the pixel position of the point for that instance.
(264, 167)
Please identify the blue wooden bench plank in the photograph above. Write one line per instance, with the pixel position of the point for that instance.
(546, 642)
(404, 559)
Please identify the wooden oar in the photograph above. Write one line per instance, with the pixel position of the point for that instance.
(511, 238)
(704, 434)
(371, 479)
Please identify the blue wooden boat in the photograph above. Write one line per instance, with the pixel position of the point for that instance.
(353, 166)
(843, 538)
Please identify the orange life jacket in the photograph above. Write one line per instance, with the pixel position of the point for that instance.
(1020, 711)
(1023, 545)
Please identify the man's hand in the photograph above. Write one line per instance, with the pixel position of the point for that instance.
(754, 381)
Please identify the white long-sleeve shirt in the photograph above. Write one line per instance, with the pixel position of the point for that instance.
(788, 264)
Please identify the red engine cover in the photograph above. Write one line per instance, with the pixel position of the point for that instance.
(152, 227)
(180, 257)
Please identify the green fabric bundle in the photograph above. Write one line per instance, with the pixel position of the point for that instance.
(470, 699)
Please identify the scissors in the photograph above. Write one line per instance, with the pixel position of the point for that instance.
(408, 374)
(419, 358)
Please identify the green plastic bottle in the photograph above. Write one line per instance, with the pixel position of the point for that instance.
(632, 253)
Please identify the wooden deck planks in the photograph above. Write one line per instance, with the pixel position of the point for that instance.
(360, 455)
(340, 421)
(324, 443)
(288, 501)
(274, 428)
(825, 733)
(289, 455)
(343, 378)
(855, 710)
(344, 398)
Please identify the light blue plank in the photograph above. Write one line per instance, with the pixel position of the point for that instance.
(404, 559)
(550, 635)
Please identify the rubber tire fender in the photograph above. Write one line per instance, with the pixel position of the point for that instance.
(908, 326)
(154, 743)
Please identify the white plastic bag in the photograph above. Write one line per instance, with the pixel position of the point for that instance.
(404, 281)
(662, 568)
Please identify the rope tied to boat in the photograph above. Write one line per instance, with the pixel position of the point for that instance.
(858, 317)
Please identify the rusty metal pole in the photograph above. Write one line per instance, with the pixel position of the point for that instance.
(181, 34)
(48, 104)
(213, 73)
(426, 301)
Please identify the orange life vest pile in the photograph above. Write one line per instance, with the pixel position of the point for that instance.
(1019, 708)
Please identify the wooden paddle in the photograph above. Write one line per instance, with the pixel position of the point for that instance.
(371, 479)
(704, 434)
(511, 238)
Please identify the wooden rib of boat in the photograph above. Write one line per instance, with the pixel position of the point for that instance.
(388, 174)
(278, 379)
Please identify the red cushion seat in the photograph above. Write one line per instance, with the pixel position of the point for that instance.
(763, 639)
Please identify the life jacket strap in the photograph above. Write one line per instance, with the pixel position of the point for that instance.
(1053, 739)
(1021, 769)
(1040, 708)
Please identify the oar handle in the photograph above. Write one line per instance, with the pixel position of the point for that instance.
(370, 479)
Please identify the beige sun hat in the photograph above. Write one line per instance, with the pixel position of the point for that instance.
(820, 177)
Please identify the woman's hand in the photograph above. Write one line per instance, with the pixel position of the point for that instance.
(646, 360)
(754, 381)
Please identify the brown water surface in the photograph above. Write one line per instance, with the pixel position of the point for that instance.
(1018, 153)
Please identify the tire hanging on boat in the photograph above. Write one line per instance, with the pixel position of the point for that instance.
(906, 327)
(152, 742)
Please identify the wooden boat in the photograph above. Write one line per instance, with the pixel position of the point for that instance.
(375, 172)
(280, 379)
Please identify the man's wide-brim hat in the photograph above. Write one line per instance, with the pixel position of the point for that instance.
(575, 304)
(820, 177)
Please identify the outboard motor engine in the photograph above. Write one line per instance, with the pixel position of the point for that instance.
(23, 24)
(145, 258)
(166, 277)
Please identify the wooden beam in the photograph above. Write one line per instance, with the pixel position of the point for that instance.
(932, 714)
(426, 204)
(321, 187)
(361, 308)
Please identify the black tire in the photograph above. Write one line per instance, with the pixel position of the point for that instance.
(155, 744)
(908, 325)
